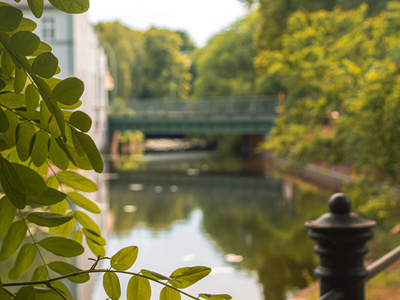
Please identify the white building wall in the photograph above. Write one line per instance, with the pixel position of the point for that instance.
(90, 65)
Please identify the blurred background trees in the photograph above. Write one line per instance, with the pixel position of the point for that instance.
(338, 63)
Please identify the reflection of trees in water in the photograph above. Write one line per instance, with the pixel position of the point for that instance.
(268, 233)
(270, 237)
(157, 211)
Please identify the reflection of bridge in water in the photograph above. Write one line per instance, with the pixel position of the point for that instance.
(252, 115)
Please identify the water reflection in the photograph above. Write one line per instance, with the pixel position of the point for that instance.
(250, 226)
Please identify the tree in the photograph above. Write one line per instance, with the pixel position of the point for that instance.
(149, 64)
(166, 71)
(340, 70)
(187, 44)
(274, 15)
(123, 47)
(225, 66)
(40, 129)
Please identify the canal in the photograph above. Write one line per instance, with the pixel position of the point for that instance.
(238, 217)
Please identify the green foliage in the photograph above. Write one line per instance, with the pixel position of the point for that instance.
(340, 70)
(225, 66)
(40, 129)
(124, 258)
(111, 285)
(185, 277)
(147, 64)
(275, 13)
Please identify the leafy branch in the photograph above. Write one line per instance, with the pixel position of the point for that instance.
(121, 262)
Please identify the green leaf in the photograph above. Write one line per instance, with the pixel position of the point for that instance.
(81, 162)
(216, 296)
(44, 115)
(45, 65)
(138, 289)
(20, 80)
(26, 293)
(71, 6)
(19, 60)
(57, 155)
(64, 268)
(68, 91)
(187, 276)
(4, 124)
(96, 248)
(13, 239)
(25, 134)
(40, 274)
(155, 275)
(66, 229)
(7, 64)
(12, 100)
(7, 213)
(12, 184)
(10, 18)
(52, 182)
(48, 219)
(43, 47)
(47, 293)
(99, 240)
(124, 258)
(60, 207)
(42, 170)
(31, 180)
(77, 181)
(168, 293)
(61, 246)
(77, 236)
(23, 262)
(3, 84)
(77, 144)
(49, 197)
(4, 295)
(40, 148)
(111, 285)
(84, 202)
(26, 25)
(24, 43)
(81, 121)
(31, 98)
(91, 151)
(9, 136)
(45, 92)
(53, 127)
(87, 222)
(36, 7)
(63, 288)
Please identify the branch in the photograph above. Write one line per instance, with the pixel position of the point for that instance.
(47, 282)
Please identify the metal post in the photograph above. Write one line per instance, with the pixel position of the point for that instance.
(341, 237)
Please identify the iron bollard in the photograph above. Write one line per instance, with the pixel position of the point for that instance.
(341, 237)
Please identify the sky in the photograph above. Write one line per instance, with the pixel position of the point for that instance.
(200, 18)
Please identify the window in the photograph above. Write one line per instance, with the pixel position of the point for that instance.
(48, 28)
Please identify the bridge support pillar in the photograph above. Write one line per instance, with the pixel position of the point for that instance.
(341, 237)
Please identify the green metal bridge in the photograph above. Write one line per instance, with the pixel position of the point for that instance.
(252, 115)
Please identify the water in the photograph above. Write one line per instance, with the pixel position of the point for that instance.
(246, 225)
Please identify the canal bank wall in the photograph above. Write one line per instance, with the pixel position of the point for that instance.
(327, 177)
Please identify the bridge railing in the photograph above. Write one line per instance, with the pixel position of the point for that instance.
(191, 107)
(341, 237)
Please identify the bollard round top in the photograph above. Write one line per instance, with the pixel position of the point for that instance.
(339, 217)
(339, 203)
